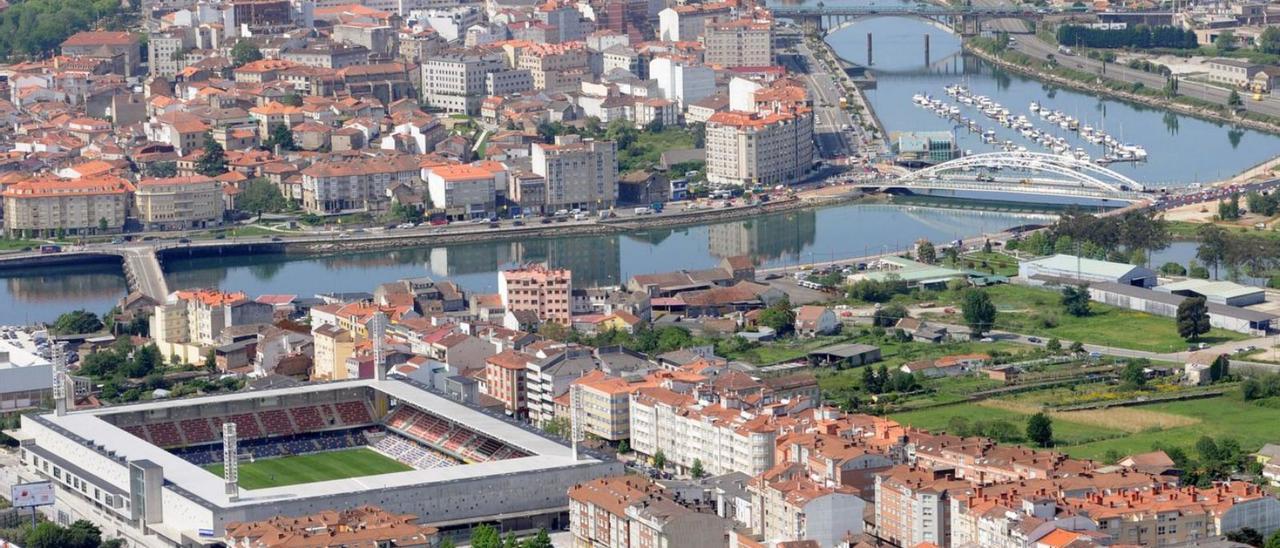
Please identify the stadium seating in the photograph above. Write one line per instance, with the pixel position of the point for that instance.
(276, 421)
(164, 434)
(307, 418)
(197, 431)
(411, 453)
(137, 430)
(246, 425)
(354, 413)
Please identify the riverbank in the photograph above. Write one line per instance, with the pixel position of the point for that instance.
(669, 219)
(1059, 77)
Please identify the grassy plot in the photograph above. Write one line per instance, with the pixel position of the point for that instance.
(1124, 430)
(314, 467)
(1037, 311)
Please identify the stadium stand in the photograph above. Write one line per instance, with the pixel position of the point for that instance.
(164, 434)
(354, 412)
(197, 431)
(307, 418)
(276, 421)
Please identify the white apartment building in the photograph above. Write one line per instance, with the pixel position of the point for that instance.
(723, 439)
(191, 320)
(43, 207)
(165, 51)
(682, 81)
(750, 149)
(580, 175)
(466, 191)
(173, 203)
(360, 184)
(686, 22)
(450, 23)
(456, 81)
(738, 43)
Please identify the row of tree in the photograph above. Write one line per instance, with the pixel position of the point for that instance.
(1137, 36)
(1131, 235)
(1247, 253)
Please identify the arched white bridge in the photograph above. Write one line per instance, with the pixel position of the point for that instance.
(1025, 173)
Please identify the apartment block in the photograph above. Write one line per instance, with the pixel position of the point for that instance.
(175, 203)
(505, 379)
(48, 206)
(466, 191)
(739, 43)
(332, 346)
(456, 80)
(190, 321)
(331, 186)
(790, 506)
(546, 292)
(632, 511)
(912, 506)
(581, 175)
(721, 438)
(750, 149)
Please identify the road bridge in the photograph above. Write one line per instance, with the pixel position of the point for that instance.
(964, 20)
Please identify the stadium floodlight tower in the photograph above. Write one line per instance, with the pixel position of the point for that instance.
(60, 378)
(576, 433)
(230, 460)
(378, 332)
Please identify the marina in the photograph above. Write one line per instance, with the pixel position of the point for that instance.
(1058, 136)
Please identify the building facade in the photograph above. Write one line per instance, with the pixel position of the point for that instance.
(173, 203)
(582, 175)
(749, 149)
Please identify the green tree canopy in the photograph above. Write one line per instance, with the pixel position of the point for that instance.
(1193, 318)
(978, 311)
(213, 161)
(261, 196)
(76, 322)
(1075, 299)
(244, 52)
(1040, 429)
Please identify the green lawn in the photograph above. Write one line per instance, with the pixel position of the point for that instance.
(770, 353)
(649, 146)
(297, 469)
(936, 418)
(1219, 417)
(894, 354)
(1036, 311)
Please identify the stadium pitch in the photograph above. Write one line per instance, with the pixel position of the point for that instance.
(295, 469)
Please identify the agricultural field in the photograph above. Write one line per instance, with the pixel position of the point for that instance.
(1095, 434)
(331, 465)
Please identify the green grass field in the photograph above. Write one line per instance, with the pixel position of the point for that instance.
(297, 469)
(1126, 430)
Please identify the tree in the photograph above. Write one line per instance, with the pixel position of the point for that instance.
(1173, 269)
(1133, 375)
(485, 536)
(888, 315)
(779, 317)
(1054, 346)
(1075, 299)
(541, 540)
(1229, 209)
(1225, 42)
(245, 52)
(511, 541)
(1234, 100)
(1040, 429)
(1246, 535)
(1077, 348)
(260, 196)
(291, 99)
(696, 470)
(211, 361)
(213, 161)
(660, 460)
(926, 253)
(1213, 247)
(1273, 541)
(978, 311)
(280, 136)
(76, 322)
(448, 543)
(624, 447)
(1193, 318)
(102, 224)
(162, 169)
(1220, 367)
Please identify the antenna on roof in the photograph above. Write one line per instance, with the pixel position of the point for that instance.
(60, 378)
(378, 332)
(230, 461)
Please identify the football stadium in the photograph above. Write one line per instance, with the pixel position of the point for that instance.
(156, 472)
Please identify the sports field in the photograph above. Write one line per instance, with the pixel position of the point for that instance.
(348, 463)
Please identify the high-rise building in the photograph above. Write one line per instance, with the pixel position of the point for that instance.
(455, 81)
(544, 291)
(739, 43)
(752, 149)
(581, 175)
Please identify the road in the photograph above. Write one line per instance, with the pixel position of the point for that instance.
(1040, 49)
(829, 118)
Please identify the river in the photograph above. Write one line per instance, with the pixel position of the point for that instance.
(1183, 150)
(775, 240)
